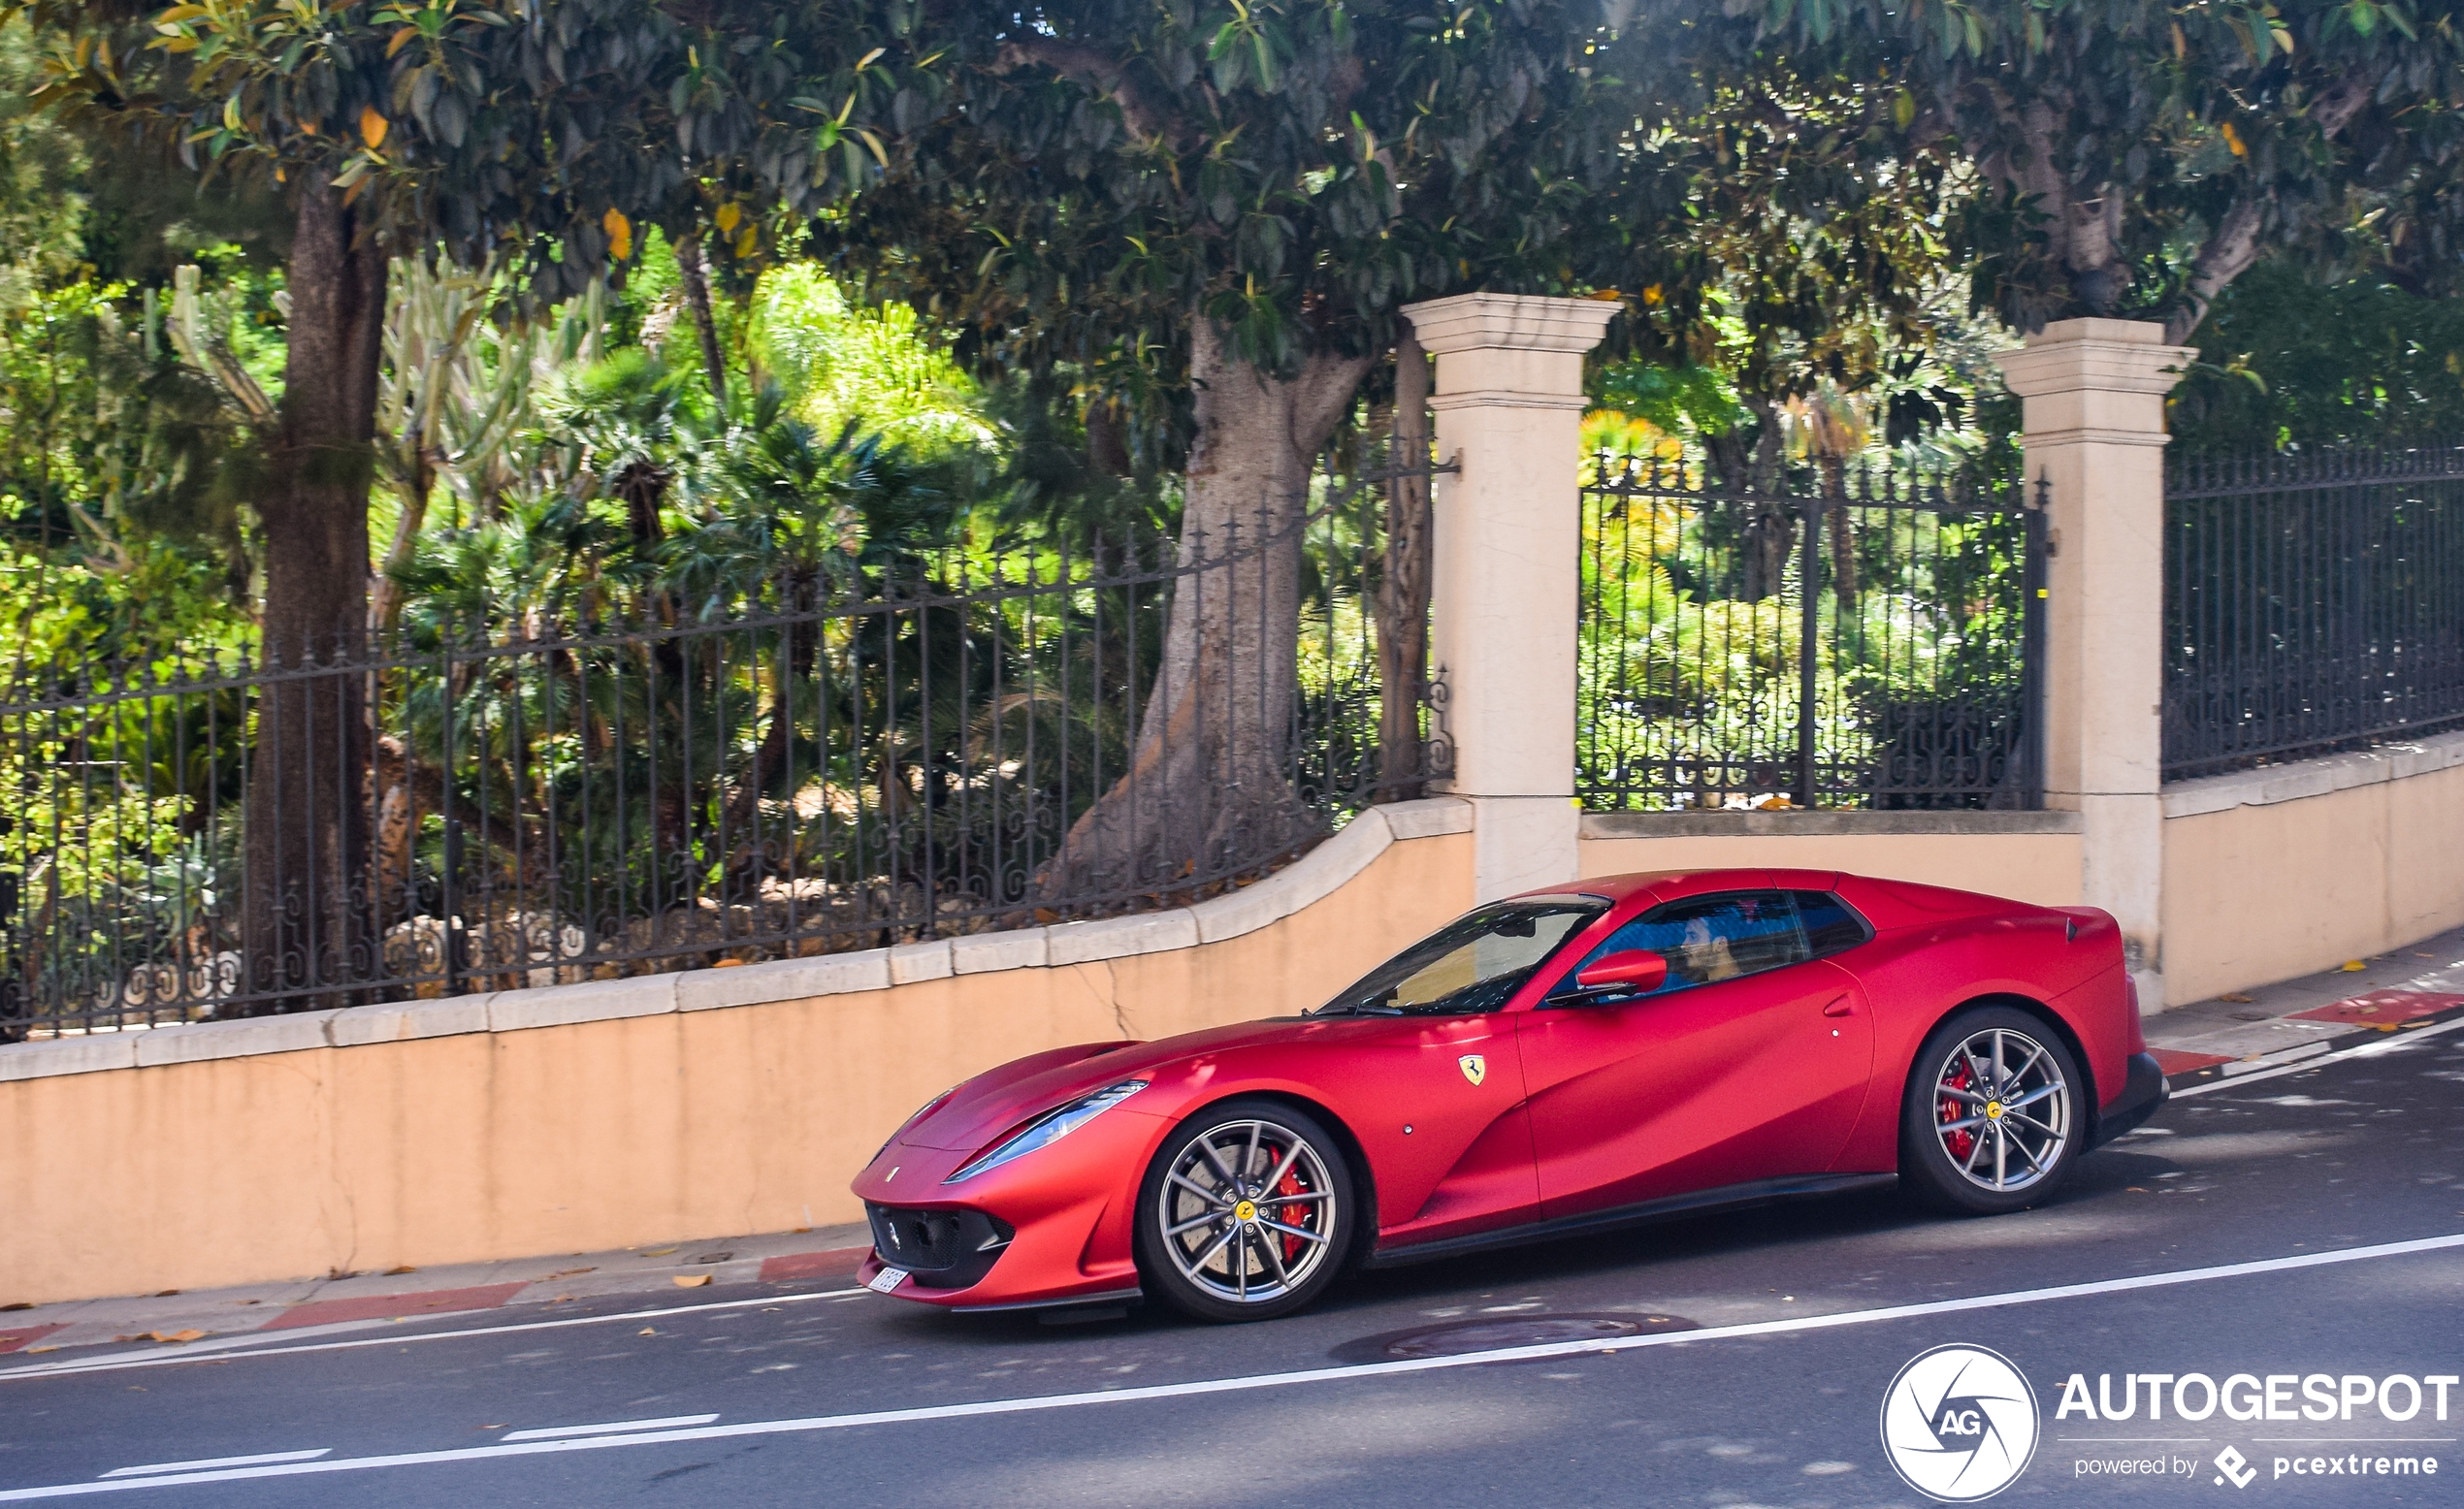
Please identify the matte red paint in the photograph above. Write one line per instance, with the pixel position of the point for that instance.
(1797, 1071)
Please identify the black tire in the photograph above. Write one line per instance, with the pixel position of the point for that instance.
(1283, 1168)
(1980, 1139)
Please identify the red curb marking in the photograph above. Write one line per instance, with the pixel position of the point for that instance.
(837, 1263)
(385, 1307)
(2175, 1063)
(11, 1340)
(2383, 1008)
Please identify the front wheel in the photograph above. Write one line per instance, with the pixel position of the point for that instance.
(1995, 1113)
(1246, 1212)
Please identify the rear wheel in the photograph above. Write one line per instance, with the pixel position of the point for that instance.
(1246, 1212)
(1995, 1113)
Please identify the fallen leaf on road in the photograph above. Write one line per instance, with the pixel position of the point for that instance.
(653, 1252)
(646, 1332)
(30, 1351)
(569, 1273)
(2235, 997)
(177, 1336)
(689, 1280)
(2352, 966)
(405, 1269)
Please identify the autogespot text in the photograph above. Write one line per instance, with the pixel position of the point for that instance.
(2297, 1400)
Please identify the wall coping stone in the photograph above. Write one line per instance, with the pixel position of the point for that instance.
(1303, 883)
(2269, 784)
(1800, 824)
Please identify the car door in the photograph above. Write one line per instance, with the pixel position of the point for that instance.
(1750, 1062)
(1423, 1065)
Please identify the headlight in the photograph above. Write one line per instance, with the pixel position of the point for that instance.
(1051, 1127)
(929, 1106)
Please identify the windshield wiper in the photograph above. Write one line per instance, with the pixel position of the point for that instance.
(1357, 1010)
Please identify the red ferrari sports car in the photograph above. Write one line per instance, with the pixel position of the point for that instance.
(1561, 1062)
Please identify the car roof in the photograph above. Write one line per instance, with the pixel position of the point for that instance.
(1665, 885)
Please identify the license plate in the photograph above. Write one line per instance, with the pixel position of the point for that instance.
(887, 1279)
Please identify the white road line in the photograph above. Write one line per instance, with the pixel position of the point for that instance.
(612, 1428)
(205, 1462)
(2390, 1043)
(171, 1356)
(1363, 1371)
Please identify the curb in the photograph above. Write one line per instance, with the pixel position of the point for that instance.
(2395, 1011)
(174, 1328)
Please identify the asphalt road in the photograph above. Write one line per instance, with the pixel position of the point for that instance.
(1775, 1402)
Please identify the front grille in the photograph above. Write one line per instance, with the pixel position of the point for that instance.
(944, 1249)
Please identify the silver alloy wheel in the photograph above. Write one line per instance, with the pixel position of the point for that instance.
(2002, 1109)
(1247, 1211)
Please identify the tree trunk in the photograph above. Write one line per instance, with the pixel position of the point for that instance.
(1403, 593)
(1843, 534)
(1209, 787)
(1751, 465)
(385, 608)
(696, 277)
(305, 911)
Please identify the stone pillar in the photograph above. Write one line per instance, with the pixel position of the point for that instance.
(1502, 595)
(2094, 431)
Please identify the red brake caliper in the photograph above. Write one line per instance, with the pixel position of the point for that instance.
(1290, 1185)
(1961, 1143)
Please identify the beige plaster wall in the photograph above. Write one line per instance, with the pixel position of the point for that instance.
(603, 1134)
(2256, 894)
(2037, 867)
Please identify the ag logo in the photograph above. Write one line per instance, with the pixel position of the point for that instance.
(2231, 1464)
(1474, 1068)
(1959, 1424)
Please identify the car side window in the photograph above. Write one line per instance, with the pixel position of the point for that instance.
(1831, 924)
(1710, 939)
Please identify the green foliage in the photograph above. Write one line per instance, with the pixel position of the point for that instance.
(1687, 400)
(849, 365)
(1292, 173)
(118, 470)
(545, 139)
(2288, 361)
(2137, 156)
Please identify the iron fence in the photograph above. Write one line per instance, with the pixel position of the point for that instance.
(1870, 638)
(2313, 602)
(837, 757)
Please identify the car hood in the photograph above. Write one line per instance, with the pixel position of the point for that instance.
(979, 1111)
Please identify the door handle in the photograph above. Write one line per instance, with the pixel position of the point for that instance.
(1839, 1007)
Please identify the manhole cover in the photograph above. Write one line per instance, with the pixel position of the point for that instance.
(1495, 1333)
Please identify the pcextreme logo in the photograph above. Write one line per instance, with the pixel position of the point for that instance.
(1959, 1424)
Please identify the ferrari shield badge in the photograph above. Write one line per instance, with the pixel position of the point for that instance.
(1474, 1068)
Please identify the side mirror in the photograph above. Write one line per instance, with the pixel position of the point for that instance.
(1633, 972)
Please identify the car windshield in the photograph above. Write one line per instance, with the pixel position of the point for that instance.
(1473, 964)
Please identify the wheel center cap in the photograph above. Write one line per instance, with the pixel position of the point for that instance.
(1992, 1110)
(1246, 1210)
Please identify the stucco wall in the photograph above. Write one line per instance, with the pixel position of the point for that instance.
(2029, 855)
(605, 1133)
(2286, 870)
